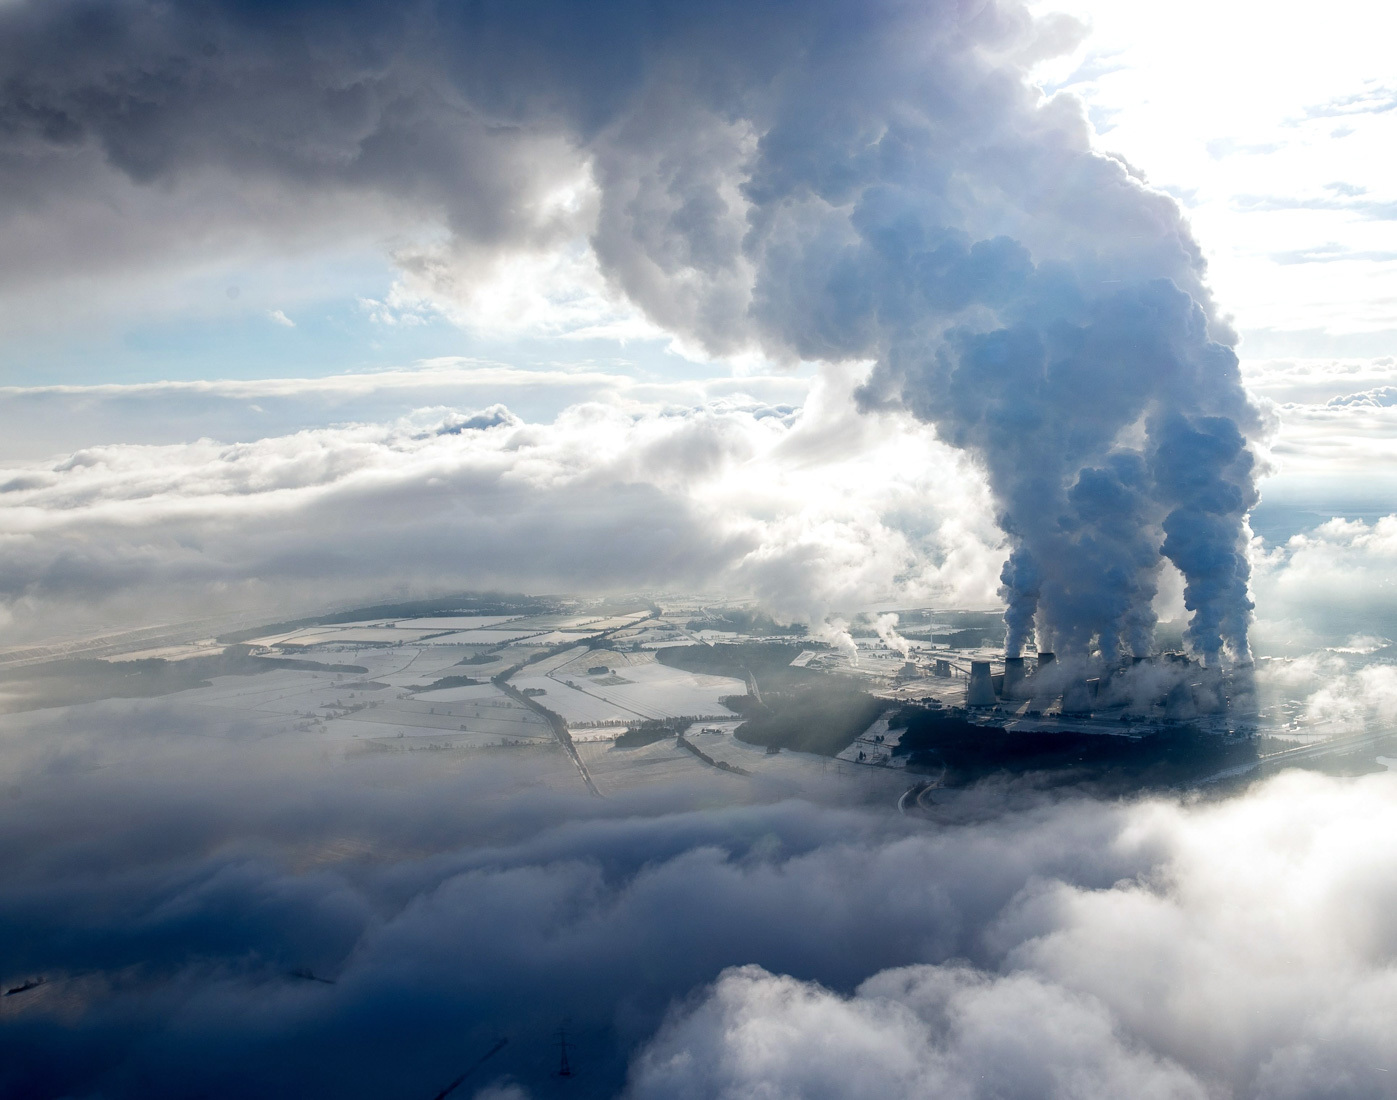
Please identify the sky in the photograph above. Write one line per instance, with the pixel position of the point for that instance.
(1271, 131)
(1081, 311)
(1279, 165)
(197, 254)
(207, 268)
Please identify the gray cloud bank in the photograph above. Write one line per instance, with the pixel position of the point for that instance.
(832, 181)
(168, 885)
(51, 422)
(809, 509)
(802, 503)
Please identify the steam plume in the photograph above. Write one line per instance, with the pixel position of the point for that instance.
(886, 626)
(834, 180)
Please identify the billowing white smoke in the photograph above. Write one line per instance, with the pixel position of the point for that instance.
(836, 633)
(858, 180)
(886, 625)
(907, 197)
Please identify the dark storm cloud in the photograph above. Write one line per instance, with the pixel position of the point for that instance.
(169, 878)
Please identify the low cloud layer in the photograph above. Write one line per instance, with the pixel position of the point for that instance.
(169, 886)
(769, 487)
(49, 422)
(911, 1032)
(808, 509)
(1251, 956)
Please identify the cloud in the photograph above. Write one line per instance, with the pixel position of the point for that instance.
(168, 877)
(1372, 100)
(809, 510)
(281, 319)
(1313, 381)
(854, 186)
(1369, 208)
(1380, 397)
(918, 1031)
(1332, 253)
(49, 420)
(1330, 582)
(1246, 962)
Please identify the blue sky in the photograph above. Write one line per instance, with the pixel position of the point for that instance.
(1077, 313)
(351, 215)
(1281, 169)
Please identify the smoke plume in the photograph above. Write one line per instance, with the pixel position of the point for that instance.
(886, 625)
(866, 182)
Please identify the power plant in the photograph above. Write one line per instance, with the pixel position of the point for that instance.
(980, 691)
(1014, 676)
(1132, 698)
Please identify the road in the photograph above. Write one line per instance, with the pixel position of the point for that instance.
(559, 727)
(1366, 739)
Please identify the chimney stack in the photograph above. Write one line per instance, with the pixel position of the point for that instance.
(1014, 675)
(1077, 698)
(980, 692)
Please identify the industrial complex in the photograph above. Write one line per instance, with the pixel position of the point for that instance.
(667, 687)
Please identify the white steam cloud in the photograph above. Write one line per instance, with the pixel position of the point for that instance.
(756, 499)
(858, 182)
(886, 626)
(169, 877)
(1253, 958)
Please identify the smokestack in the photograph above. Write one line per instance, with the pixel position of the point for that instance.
(1044, 660)
(1077, 698)
(1178, 703)
(1210, 694)
(1014, 675)
(1241, 690)
(980, 693)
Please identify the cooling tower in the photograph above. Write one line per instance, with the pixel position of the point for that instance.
(1045, 659)
(1014, 674)
(1077, 698)
(980, 693)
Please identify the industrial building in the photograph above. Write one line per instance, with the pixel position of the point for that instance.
(1038, 692)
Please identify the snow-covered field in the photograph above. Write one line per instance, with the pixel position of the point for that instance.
(487, 637)
(482, 710)
(658, 691)
(573, 704)
(457, 694)
(457, 622)
(637, 687)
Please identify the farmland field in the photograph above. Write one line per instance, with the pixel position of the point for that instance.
(643, 688)
(457, 622)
